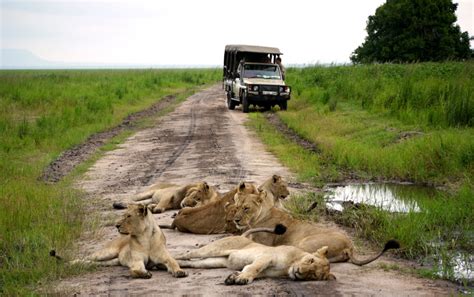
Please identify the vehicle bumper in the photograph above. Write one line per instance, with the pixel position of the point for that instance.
(259, 97)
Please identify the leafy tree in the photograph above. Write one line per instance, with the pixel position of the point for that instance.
(413, 30)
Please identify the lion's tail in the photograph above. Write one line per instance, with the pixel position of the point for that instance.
(279, 229)
(52, 253)
(391, 244)
(119, 205)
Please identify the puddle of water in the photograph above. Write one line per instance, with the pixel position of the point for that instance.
(460, 268)
(389, 197)
(402, 198)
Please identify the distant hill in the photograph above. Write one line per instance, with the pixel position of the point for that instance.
(23, 59)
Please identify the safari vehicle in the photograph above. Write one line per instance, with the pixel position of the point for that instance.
(251, 76)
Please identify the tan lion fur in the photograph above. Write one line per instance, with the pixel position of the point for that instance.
(162, 197)
(255, 210)
(217, 217)
(141, 245)
(210, 218)
(257, 260)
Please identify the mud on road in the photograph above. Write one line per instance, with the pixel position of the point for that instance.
(202, 140)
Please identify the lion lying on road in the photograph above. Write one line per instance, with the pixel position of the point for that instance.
(257, 260)
(254, 211)
(214, 217)
(161, 197)
(209, 218)
(141, 246)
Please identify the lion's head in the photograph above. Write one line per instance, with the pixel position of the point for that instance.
(198, 195)
(134, 220)
(312, 267)
(249, 207)
(277, 186)
(230, 208)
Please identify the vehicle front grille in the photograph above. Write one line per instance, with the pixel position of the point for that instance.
(269, 88)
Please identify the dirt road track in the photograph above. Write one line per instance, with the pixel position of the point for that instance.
(202, 140)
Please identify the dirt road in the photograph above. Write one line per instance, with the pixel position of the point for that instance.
(202, 140)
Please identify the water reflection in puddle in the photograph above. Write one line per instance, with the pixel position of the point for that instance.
(399, 198)
(390, 197)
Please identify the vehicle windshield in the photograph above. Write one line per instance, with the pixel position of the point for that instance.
(261, 71)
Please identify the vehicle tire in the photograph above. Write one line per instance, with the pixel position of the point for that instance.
(284, 105)
(230, 102)
(245, 103)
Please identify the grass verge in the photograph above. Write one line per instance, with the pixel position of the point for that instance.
(42, 113)
(356, 118)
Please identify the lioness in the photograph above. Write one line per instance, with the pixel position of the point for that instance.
(253, 211)
(277, 188)
(162, 197)
(257, 260)
(209, 218)
(141, 245)
(214, 217)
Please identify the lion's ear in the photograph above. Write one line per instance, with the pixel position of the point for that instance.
(241, 187)
(322, 251)
(142, 210)
(206, 186)
(276, 178)
(331, 276)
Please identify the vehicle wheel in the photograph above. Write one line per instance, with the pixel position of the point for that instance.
(230, 102)
(284, 105)
(245, 103)
(267, 107)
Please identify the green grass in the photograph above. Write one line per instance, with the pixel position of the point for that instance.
(387, 122)
(43, 113)
(363, 131)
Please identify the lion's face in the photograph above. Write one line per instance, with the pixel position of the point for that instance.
(197, 196)
(133, 221)
(312, 267)
(279, 187)
(248, 207)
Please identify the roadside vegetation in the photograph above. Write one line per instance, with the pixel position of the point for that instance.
(387, 123)
(43, 113)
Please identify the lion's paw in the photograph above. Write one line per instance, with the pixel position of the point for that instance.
(179, 273)
(230, 280)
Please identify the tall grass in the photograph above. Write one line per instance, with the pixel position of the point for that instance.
(407, 122)
(433, 94)
(42, 113)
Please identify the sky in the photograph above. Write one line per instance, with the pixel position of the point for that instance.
(187, 32)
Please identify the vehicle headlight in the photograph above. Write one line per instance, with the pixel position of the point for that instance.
(284, 89)
(255, 88)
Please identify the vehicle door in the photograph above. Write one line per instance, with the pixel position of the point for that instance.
(237, 83)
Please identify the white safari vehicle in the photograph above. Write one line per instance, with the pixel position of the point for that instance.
(252, 76)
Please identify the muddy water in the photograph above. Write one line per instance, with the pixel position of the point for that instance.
(402, 198)
(387, 196)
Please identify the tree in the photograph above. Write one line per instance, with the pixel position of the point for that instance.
(413, 30)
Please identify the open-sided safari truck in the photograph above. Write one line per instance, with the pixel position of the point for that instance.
(251, 76)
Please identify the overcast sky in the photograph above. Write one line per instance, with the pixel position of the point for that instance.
(189, 32)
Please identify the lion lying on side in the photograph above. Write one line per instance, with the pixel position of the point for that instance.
(254, 211)
(162, 197)
(257, 260)
(209, 218)
(141, 246)
(214, 217)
